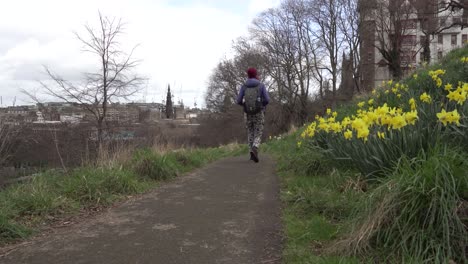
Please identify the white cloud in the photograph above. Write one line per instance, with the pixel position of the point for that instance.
(179, 44)
(257, 6)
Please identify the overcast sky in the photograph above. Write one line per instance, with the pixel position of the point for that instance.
(181, 41)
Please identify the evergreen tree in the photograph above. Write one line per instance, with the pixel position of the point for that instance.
(169, 109)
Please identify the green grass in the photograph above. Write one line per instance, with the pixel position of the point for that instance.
(24, 207)
(318, 202)
(414, 216)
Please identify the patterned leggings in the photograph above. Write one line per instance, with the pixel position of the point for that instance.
(254, 125)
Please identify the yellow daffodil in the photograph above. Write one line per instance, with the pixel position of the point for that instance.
(435, 76)
(448, 87)
(382, 110)
(454, 117)
(363, 133)
(361, 104)
(335, 127)
(358, 123)
(398, 122)
(386, 121)
(324, 127)
(412, 104)
(329, 111)
(449, 117)
(464, 87)
(459, 96)
(411, 117)
(425, 98)
(370, 102)
(348, 134)
(346, 122)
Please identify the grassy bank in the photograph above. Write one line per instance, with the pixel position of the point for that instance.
(319, 202)
(384, 178)
(25, 208)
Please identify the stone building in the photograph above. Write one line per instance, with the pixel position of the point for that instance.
(451, 32)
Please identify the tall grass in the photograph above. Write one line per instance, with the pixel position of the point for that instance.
(414, 217)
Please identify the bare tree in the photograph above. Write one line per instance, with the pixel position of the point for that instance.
(394, 25)
(222, 86)
(298, 13)
(274, 37)
(460, 4)
(284, 35)
(114, 81)
(319, 69)
(326, 17)
(228, 76)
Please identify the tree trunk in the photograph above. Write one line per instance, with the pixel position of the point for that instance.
(99, 134)
(427, 49)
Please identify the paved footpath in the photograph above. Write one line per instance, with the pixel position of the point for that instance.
(227, 212)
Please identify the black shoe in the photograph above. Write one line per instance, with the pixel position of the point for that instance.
(254, 154)
(252, 157)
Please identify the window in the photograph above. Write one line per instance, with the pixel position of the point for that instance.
(440, 39)
(454, 39)
(439, 55)
(409, 40)
(421, 57)
(464, 39)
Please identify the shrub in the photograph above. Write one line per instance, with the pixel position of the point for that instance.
(99, 186)
(36, 198)
(148, 164)
(11, 231)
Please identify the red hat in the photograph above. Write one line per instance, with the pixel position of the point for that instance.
(252, 73)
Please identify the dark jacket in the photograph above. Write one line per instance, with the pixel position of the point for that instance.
(253, 83)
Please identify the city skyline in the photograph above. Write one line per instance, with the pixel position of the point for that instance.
(179, 42)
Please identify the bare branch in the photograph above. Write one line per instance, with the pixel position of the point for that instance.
(114, 79)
